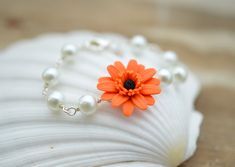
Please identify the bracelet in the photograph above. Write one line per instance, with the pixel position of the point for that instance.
(128, 87)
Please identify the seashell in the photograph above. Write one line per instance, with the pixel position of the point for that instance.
(32, 135)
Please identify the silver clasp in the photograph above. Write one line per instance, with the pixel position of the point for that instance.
(71, 111)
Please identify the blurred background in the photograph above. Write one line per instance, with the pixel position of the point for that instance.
(201, 32)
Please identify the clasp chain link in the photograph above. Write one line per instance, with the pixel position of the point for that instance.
(71, 111)
(45, 89)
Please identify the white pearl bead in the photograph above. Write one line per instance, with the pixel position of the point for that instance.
(50, 74)
(54, 100)
(139, 41)
(68, 50)
(180, 74)
(87, 104)
(165, 76)
(170, 57)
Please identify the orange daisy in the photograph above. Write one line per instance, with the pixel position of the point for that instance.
(129, 87)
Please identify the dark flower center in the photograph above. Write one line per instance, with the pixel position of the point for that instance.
(129, 84)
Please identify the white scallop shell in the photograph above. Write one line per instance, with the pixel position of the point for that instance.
(32, 135)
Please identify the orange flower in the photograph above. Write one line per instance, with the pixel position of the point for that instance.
(130, 87)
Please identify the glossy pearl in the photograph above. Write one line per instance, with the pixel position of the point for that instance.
(50, 75)
(165, 76)
(87, 104)
(139, 41)
(68, 50)
(180, 74)
(54, 100)
(170, 57)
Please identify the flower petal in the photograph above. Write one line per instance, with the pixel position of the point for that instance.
(140, 68)
(119, 66)
(149, 99)
(104, 79)
(128, 108)
(139, 101)
(132, 65)
(113, 71)
(147, 74)
(107, 86)
(107, 96)
(148, 89)
(118, 100)
(153, 81)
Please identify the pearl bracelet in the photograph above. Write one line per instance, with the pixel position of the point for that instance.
(130, 87)
(55, 100)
